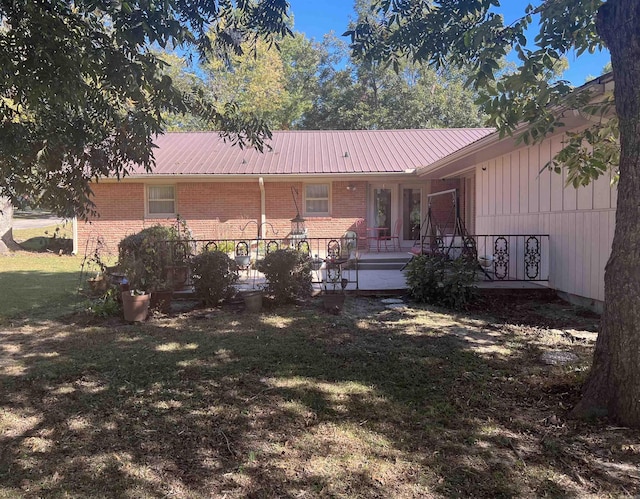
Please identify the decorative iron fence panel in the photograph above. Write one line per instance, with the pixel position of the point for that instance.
(511, 257)
(334, 261)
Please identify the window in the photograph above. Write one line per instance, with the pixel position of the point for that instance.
(316, 199)
(161, 200)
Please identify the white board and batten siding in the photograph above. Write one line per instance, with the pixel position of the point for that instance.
(513, 196)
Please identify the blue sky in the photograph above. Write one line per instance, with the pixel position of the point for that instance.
(315, 18)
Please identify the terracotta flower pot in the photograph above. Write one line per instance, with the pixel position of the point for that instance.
(135, 307)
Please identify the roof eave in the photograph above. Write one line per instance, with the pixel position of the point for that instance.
(464, 158)
(254, 176)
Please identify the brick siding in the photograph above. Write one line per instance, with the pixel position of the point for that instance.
(218, 210)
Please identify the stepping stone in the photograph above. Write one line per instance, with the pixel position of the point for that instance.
(558, 358)
(396, 306)
(392, 300)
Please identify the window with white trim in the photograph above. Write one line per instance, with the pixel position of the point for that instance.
(161, 200)
(316, 199)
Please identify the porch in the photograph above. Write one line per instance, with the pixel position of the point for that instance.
(504, 261)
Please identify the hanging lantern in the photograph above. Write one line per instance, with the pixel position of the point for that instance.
(297, 225)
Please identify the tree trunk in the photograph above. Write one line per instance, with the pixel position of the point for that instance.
(6, 226)
(613, 387)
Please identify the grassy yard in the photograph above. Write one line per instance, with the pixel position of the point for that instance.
(60, 231)
(411, 402)
(38, 285)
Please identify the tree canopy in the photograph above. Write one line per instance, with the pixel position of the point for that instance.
(471, 32)
(304, 84)
(83, 93)
(363, 94)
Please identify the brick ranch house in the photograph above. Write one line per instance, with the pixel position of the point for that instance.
(344, 181)
(351, 180)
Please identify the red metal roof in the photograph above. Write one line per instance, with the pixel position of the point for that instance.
(310, 152)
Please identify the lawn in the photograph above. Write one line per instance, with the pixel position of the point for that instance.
(64, 231)
(376, 402)
(38, 285)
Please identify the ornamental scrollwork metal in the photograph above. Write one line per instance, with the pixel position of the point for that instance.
(532, 257)
(211, 246)
(469, 248)
(303, 247)
(438, 245)
(501, 258)
(333, 249)
(272, 246)
(242, 248)
(334, 272)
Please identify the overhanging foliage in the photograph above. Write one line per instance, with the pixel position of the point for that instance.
(82, 94)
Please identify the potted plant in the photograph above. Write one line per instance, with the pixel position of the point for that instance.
(135, 305)
(161, 293)
(145, 258)
(181, 239)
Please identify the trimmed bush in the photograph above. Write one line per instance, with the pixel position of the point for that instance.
(145, 256)
(288, 274)
(213, 274)
(437, 280)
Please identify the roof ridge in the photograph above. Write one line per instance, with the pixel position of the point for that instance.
(386, 130)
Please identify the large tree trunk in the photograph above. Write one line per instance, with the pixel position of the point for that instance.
(6, 226)
(613, 387)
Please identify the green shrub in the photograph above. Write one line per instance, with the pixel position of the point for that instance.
(213, 274)
(106, 305)
(145, 257)
(288, 274)
(440, 281)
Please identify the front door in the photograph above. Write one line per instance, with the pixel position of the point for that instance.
(382, 209)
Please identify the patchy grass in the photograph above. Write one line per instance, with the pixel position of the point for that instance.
(40, 286)
(413, 402)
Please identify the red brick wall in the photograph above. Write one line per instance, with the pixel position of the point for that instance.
(442, 210)
(218, 210)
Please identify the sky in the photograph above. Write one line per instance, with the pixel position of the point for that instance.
(316, 18)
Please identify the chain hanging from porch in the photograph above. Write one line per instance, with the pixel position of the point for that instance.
(434, 239)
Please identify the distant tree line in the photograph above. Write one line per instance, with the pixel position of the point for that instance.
(309, 85)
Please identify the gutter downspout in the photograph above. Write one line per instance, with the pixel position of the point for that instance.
(263, 206)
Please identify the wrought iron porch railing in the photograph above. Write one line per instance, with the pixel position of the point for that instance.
(503, 257)
(333, 260)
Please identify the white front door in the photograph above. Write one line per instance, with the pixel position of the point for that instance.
(383, 210)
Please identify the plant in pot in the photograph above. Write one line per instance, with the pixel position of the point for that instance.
(144, 258)
(161, 292)
(181, 240)
(135, 299)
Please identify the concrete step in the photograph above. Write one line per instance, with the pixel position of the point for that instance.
(383, 262)
(385, 259)
(367, 265)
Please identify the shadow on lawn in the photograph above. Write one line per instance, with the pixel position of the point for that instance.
(278, 405)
